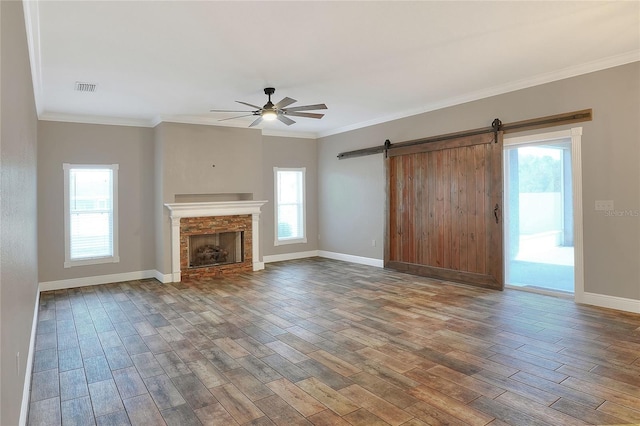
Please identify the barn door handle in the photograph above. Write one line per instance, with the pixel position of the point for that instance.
(495, 212)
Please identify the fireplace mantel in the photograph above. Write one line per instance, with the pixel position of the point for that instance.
(216, 208)
(209, 209)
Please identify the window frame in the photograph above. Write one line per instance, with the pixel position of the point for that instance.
(114, 258)
(277, 241)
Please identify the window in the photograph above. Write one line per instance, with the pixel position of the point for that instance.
(290, 205)
(91, 214)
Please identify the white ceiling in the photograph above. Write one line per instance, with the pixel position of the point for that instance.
(368, 61)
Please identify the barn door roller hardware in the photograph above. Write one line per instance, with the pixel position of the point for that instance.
(496, 126)
(387, 145)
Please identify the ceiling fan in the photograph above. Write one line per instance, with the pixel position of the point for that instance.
(278, 111)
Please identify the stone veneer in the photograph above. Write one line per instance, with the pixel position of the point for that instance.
(212, 225)
(246, 212)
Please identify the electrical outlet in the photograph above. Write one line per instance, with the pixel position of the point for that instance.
(604, 205)
(373, 243)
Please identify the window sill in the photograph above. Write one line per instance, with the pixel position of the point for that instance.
(93, 261)
(291, 241)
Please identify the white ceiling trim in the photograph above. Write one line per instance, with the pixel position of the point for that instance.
(287, 134)
(93, 119)
(192, 119)
(32, 23)
(610, 62)
(238, 124)
(119, 121)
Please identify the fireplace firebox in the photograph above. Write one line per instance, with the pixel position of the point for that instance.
(221, 248)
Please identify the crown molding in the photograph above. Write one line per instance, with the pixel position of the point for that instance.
(206, 121)
(132, 122)
(194, 119)
(574, 71)
(95, 119)
(283, 134)
(32, 24)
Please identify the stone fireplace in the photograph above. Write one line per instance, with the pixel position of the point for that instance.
(214, 238)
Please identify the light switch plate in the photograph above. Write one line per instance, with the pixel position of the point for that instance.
(604, 205)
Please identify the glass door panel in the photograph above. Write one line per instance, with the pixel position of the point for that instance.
(539, 216)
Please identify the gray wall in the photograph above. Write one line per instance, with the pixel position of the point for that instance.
(351, 192)
(18, 202)
(130, 147)
(351, 197)
(155, 165)
(289, 152)
(185, 155)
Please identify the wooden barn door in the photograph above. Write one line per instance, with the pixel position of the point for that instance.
(444, 210)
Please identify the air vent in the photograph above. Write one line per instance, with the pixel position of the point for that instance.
(85, 87)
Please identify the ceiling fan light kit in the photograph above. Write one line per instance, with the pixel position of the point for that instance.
(278, 111)
(269, 115)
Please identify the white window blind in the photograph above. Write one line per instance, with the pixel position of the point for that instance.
(90, 214)
(290, 205)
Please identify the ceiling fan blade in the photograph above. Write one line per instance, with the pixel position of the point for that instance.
(238, 116)
(307, 107)
(226, 110)
(286, 120)
(305, 114)
(285, 102)
(252, 106)
(255, 123)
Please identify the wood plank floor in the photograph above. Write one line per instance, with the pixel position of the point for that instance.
(323, 342)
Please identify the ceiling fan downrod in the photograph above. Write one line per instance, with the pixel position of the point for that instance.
(269, 111)
(269, 91)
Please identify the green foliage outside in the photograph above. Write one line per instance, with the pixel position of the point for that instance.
(539, 173)
(284, 230)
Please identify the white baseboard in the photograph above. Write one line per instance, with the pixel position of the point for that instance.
(99, 279)
(351, 258)
(163, 278)
(327, 254)
(612, 302)
(24, 406)
(289, 256)
(601, 300)
(258, 266)
(537, 290)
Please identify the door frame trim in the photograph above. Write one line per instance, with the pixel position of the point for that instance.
(575, 134)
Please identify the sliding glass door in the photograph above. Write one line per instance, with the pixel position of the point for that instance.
(539, 225)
